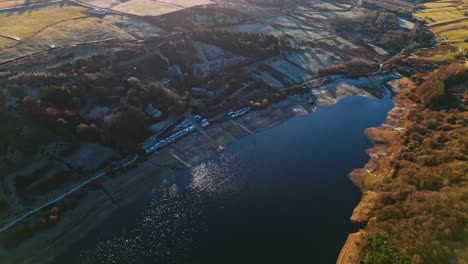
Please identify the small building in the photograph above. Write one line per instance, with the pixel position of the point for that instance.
(153, 111)
(202, 92)
(97, 12)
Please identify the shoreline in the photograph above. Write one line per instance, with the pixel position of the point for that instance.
(127, 188)
(381, 138)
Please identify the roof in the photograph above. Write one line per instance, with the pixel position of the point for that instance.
(97, 11)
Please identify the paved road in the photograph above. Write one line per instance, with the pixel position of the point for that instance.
(61, 197)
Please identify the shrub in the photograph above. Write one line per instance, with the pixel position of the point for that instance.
(58, 96)
(379, 250)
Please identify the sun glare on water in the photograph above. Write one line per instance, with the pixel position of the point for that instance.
(167, 225)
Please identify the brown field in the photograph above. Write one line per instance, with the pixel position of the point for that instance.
(26, 24)
(64, 26)
(147, 7)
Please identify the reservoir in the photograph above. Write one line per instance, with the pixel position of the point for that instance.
(279, 196)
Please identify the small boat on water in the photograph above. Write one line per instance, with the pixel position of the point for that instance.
(220, 148)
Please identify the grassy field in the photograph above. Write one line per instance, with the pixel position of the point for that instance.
(4, 42)
(26, 24)
(443, 11)
(451, 27)
(448, 19)
(147, 7)
(70, 32)
(54, 25)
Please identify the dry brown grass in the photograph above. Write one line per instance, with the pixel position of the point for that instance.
(5, 42)
(147, 7)
(25, 24)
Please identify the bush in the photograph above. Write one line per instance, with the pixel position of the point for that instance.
(3, 98)
(427, 222)
(87, 132)
(125, 128)
(379, 250)
(59, 96)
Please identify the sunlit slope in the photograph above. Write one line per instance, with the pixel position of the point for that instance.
(449, 21)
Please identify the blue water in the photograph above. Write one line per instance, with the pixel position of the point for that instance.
(280, 196)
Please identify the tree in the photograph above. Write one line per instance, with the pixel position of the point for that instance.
(386, 20)
(381, 251)
(358, 66)
(126, 127)
(87, 132)
(59, 96)
(31, 104)
(421, 36)
(3, 98)
(140, 92)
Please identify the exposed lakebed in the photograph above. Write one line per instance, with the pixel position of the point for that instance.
(280, 196)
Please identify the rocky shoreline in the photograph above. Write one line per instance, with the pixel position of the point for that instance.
(385, 139)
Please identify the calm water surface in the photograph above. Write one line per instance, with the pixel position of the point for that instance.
(280, 196)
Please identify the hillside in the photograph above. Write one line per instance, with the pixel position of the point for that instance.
(414, 187)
